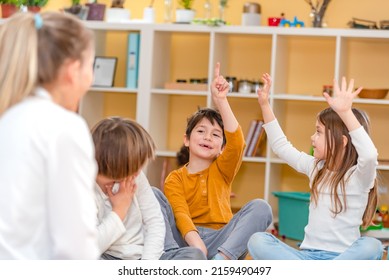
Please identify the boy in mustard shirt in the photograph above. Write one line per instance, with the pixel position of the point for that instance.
(199, 192)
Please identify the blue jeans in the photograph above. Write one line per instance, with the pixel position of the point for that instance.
(174, 248)
(265, 246)
(187, 253)
(231, 239)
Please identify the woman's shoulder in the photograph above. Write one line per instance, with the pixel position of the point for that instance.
(44, 116)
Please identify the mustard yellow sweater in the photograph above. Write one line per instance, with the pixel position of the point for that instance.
(203, 199)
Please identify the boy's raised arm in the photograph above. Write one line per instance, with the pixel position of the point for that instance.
(219, 90)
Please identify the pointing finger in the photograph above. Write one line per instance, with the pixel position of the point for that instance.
(217, 70)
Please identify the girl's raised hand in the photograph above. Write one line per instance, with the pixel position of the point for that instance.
(219, 86)
(263, 93)
(342, 98)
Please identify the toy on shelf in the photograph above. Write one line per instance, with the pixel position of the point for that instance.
(275, 21)
(380, 221)
(295, 23)
(384, 215)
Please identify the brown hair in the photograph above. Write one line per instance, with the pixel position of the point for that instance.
(335, 129)
(182, 156)
(122, 147)
(33, 48)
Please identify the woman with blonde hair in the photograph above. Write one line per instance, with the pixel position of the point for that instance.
(46, 151)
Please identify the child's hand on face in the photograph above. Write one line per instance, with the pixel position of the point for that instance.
(121, 201)
(263, 93)
(219, 86)
(343, 96)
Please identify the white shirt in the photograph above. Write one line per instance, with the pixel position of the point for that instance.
(324, 231)
(142, 233)
(47, 172)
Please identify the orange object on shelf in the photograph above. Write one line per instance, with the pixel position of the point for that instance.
(373, 93)
(383, 209)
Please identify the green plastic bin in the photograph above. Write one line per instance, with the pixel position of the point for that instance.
(293, 208)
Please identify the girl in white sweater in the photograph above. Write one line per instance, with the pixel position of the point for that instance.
(342, 173)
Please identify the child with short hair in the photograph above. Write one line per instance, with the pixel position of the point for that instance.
(342, 173)
(130, 222)
(199, 192)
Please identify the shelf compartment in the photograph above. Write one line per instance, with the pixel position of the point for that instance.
(113, 89)
(290, 72)
(244, 56)
(366, 60)
(98, 104)
(120, 104)
(114, 43)
(383, 187)
(172, 61)
(378, 115)
(248, 184)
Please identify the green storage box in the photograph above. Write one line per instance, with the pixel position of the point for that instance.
(293, 210)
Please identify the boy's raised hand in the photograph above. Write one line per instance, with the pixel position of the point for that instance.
(219, 90)
(263, 93)
(219, 86)
(343, 96)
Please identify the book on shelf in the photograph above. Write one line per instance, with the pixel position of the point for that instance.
(249, 135)
(260, 141)
(133, 59)
(255, 139)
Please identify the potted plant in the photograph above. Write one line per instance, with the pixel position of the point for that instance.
(318, 10)
(77, 9)
(9, 7)
(149, 13)
(223, 6)
(185, 14)
(34, 5)
(117, 4)
(96, 10)
(117, 12)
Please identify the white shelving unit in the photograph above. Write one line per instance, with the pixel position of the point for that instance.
(300, 60)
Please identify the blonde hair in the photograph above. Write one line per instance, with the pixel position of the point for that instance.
(122, 147)
(31, 55)
(335, 129)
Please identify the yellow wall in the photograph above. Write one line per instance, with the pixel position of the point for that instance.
(338, 14)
